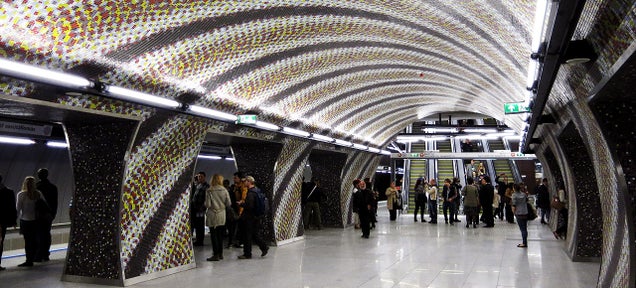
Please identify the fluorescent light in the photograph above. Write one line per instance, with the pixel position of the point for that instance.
(296, 132)
(16, 140)
(267, 126)
(415, 138)
(436, 138)
(394, 149)
(343, 143)
(533, 67)
(136, 96)
(322, 137)
(385, 152)
(202, 111)
(24, 71)
(480, 130)
(57, 144)
(210, 157)
(229, 158)
(539, 21)
(439, 130)
(477, 136)
(360, 146)
(374, 150)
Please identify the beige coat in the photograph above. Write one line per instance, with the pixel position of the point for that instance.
(391, 196)
(216, 199)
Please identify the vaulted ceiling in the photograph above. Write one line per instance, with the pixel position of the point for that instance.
(363, 68)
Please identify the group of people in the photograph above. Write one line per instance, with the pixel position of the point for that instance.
(227, 209)
(36, 207)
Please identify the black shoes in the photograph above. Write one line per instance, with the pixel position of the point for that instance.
(264, 251)
(244, 257)
(214, 258)
(2, 268)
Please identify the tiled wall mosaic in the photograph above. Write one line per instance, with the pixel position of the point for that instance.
(327, 167)
(589, 215)
(98, 156)
(358, 166)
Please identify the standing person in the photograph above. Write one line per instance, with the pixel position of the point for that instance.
(217, 199)
(354, 205)
(481, 169)
(432, 201)
(520, 209)
(458, 187)
(44, 226)
(364, 203)
(420, 199)
(449, 194)
(374, 201)
(250, 222)
(508, 200)
(238, 191)
(8, 214)
(471, 203)
(25, 206)
(471, 170)
(502, 183)
(561, 209)
(392, 201)
(486, 195)
(311, 213)
(197, 208)
(543, 201)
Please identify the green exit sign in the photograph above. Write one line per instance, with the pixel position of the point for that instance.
(515, 107)
(246, 119)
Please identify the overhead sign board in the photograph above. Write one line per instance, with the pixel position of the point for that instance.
(515, 108)
(22, 128)
(246, 119)
(501, 154)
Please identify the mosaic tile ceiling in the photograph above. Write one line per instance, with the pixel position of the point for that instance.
(364, 68)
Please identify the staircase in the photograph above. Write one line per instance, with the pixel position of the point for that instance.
(417, 169)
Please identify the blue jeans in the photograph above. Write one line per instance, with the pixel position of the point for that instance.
(432, 210)
(522, 220)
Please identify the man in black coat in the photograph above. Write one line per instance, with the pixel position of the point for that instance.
(8, 214)
(365, 203)
(44, 227)
(543, 201)
(486, 197)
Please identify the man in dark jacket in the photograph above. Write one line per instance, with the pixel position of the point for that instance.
(486, 197)
(44, 227)
(8, 214)
(250, 224)
(197, 208)
(364, 203)
(543, 201)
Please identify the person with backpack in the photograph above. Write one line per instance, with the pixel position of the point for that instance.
(254, 206)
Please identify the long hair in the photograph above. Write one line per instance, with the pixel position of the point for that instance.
(28, 186)
(217, 180)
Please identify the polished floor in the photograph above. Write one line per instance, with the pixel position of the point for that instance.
(398, 254)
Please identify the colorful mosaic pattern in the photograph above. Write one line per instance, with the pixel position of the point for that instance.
(277, 57)
(327, 167)
(154, 169)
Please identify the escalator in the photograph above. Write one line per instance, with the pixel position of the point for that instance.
(501, 166)
(417, 169)
(445, 168)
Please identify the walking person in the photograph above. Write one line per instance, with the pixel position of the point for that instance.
(8, 214)
(311, 213)
(217, 199)
(471, 203)
(520, 209)
(238, 191)
(364, 203)
(49, 190)
(420, 199)
(250, 222)
(26, 207)
(432, 201)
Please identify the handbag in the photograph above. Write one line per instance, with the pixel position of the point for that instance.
(532, 212)
(556, 204)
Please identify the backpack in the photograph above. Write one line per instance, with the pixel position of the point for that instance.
(262, 203)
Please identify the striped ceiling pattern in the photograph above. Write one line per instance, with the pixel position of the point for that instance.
(362, 68)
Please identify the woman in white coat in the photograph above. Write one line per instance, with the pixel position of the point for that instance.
(217, 199)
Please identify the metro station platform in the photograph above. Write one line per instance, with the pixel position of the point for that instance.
(398, 254)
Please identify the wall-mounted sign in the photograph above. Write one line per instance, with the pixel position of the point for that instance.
(501, 154)
(246, 119)
(29, 129)
(515, 107)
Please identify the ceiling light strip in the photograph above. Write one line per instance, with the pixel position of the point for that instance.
(16, 140)
(36, 74)
(136, 96)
